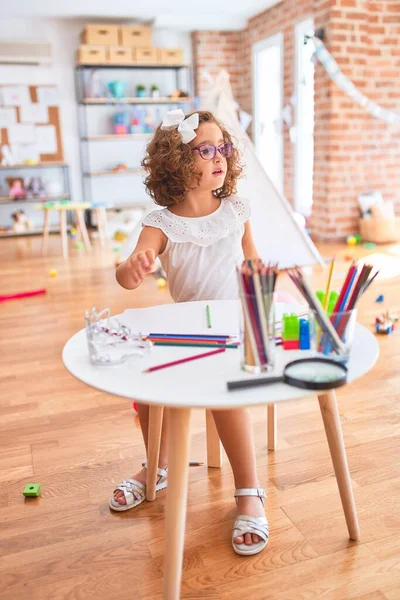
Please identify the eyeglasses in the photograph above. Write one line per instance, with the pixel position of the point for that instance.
(208, 151)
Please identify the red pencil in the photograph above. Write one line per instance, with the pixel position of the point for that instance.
(183, 360)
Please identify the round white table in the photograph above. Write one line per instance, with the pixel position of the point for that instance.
(202, 384)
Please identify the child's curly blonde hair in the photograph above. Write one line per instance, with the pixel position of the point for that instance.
(170, 165)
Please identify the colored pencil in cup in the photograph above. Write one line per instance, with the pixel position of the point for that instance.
(183, 360)
(196, 344)
(208, 315)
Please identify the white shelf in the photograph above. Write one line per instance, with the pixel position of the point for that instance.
(134, 100)
(118, 137)
(113, 173)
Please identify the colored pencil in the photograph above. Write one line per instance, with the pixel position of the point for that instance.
(188, 335)
(328, 285)
(195, 345)
(183, 360)
(208, 315)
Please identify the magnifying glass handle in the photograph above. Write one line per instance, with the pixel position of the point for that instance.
(246, 383)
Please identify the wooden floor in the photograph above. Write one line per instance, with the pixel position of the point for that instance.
(78, 443)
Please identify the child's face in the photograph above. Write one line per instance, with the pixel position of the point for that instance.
(214, 169)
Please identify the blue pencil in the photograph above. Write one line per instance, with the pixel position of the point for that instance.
(186, 335)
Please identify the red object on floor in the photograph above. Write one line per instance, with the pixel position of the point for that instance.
(291, 345)
(134, 406)
(21, 295)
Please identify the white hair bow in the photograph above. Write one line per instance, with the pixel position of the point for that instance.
(186, 127)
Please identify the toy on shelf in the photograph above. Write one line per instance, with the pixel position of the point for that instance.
(135, 125)
(120, 123)
(35, 187)
(120, 168)
(148, 123)
(179, 94)
(21, 222)
(117, 89)
(16, 187)
(385, 323)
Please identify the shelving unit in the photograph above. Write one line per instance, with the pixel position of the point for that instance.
(127, 148)
(20, 203)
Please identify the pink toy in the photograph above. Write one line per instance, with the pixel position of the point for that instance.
(16, 187)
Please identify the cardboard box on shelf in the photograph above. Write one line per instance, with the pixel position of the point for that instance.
(170, 56)
(137, 36)
(91, 55)
(101, 35)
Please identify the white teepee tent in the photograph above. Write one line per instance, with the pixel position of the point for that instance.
(277, 235)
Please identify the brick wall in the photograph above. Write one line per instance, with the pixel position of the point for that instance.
(353, 151)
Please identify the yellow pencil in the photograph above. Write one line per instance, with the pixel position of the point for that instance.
(328, 287)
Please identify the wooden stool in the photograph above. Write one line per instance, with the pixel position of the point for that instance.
(101, 217)
(61, 208)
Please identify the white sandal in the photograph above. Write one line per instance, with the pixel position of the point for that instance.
(245, 524)
(135, 492)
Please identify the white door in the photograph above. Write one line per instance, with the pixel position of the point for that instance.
(268, 106)
(304, 123)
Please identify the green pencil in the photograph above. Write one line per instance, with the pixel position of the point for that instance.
(194, 345)
(208, 313)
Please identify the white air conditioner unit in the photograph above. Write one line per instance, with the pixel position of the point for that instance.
(26, 52)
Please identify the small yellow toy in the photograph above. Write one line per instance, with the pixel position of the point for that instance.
(53, 273)
(161, 282)
(351, 240)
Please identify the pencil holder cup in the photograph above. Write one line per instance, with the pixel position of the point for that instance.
(334, 347)
(257, 332)
(109, 341)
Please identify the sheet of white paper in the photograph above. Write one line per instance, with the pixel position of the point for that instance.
(16, 95)
(21, 134)
(48, 95)
(190, 318)
(8, 116)
(34, 113)
(46, 139)
(23, 152)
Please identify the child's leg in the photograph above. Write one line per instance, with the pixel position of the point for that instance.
(236, 433)
(143, 411)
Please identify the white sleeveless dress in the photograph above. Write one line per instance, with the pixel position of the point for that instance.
(202, 253)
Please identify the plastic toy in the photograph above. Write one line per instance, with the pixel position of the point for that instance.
(21, 222)
(161, 283)
(333, 297)
(369, 245)
(351, 240)
(348, 257)
(380, 298)
(385, 323)
(53, 273)
(304, 334)
(21, 295)
(73, 233)
(32, 490)
(16, 187)
(35, 187)
(120, 167)
(120, 123)
(79, 245)
(290, 332)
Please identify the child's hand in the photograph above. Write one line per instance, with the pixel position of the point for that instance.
(141, 264)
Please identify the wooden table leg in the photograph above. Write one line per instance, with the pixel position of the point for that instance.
(100, 226)
(214, 446)
(272, 424)
(64, 233)
(333, 430)
(153, 449)
(83, 230)
(178, 473)
(46, 228)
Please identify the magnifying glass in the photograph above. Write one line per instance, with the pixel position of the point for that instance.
(306, 373)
